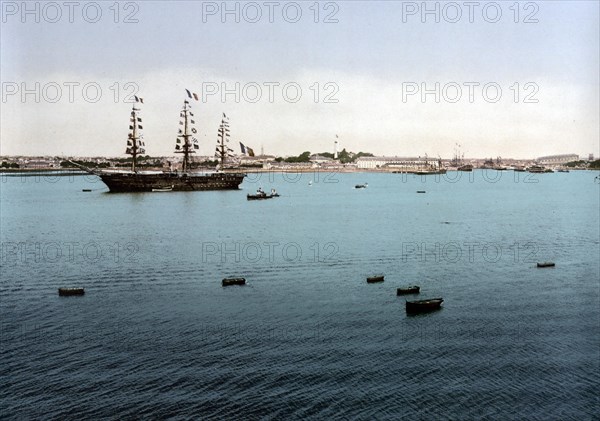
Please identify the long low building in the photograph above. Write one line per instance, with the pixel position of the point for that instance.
(557, 159)
(395, 162)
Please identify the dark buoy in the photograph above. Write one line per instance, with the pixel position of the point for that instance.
(413, 289)
(374, 279)
(65, 292)
(546, 264)
(424, 306)
(233, 281)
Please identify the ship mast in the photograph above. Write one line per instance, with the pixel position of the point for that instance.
(135, 145)
(186, 143)
(223, 151)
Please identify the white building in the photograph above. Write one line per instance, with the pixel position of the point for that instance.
(318, 159)
(395, 162)
(557, 159)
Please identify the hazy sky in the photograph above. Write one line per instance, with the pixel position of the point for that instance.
(360, 69)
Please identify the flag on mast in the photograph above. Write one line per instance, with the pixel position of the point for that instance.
(192, 95)
(246, 150)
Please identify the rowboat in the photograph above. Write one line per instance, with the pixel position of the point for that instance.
(260, 196)
(374, 279)
(65, 292)
(413, 289)
(423, 306)
(546, 264)
(163, 189)
(233, 281)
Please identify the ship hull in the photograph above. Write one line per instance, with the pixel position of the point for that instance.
(170, 181)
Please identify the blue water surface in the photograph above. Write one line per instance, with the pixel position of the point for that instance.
(157, 336)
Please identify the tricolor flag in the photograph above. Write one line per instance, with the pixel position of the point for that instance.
(246, 150)
(139, 99)
(192, 95)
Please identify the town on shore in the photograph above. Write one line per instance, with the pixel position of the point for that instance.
(342, 162)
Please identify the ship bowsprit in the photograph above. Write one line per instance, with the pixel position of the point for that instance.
(145, 182)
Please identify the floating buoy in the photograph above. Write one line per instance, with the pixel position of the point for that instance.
(414, 289)
(233, 281)
(64, 292)
(423, 306)
(546, 264)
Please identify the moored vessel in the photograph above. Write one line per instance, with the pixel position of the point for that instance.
(166, 181)
(423, 306)
(261, 195)
(539, 169)
(233, 281)
(65, 292)
(546, 264)
(413, 289)
(431, 169)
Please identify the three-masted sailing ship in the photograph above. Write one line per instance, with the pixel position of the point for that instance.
(186, 144)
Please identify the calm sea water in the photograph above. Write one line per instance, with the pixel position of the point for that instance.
(156, 335)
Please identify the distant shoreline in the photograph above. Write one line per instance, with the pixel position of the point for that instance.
(41, 171)
(62, 172)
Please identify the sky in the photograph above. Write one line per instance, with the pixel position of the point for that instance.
(510, 79)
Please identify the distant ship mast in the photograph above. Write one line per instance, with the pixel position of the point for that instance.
(186, 143)
(458, 157)
(135, 144)
(223, 151)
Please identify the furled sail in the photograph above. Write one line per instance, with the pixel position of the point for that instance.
(186, 143)
(223, 151)
(135, 144)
